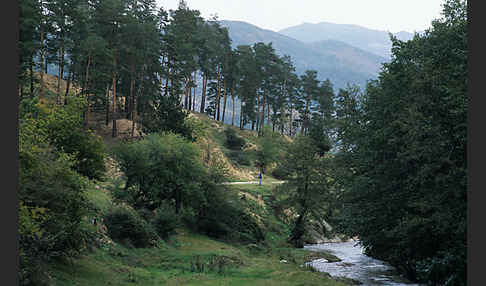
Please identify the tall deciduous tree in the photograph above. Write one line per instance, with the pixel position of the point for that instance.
(405, 155)
(307, 184)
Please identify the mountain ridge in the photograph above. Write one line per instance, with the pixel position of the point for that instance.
(323, 57)
(371, 40)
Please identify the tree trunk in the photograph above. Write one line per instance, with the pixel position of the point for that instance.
(233, 106)
(268, 113)
(134, 109)
(262, 122)
(273, 121)
(194, 92)
(86, 78)
(290, 120)
(107, 105)
(282, 111)
(167, 79)
(282, 119)
(161, 80)
(114, 131)
(70, 75)
(190, 93)
(203, 93)
(298, 231)
(241, 116)
(257, 113)
(61, 71)
(225, 96)
(306, 115)
(41, 93)
(132, 81)
(88, 110)
(218, 93)
(186, 99)
(31, 69)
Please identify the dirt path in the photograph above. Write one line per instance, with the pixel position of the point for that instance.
(252, 182)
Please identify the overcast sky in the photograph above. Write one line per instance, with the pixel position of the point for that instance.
(385, 15)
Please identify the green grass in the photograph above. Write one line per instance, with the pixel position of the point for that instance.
(172, 264)
(193, 259)
(175, 262)
(99, 197)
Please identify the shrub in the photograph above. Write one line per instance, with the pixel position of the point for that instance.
(125, 224)
(240, 158)
(280, 172)
(52, 203)
(167, 116)
(161, 167)
(165, 222)
(222, 217)
(233, 141)
(62, 127)
(269, 152)
(65, 131)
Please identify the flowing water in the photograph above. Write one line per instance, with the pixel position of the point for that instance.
(356, 265)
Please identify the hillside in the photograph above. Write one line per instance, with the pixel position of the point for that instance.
(338, 61)
(190, 258)
(373, 41)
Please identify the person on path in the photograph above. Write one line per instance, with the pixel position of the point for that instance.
(260, 176)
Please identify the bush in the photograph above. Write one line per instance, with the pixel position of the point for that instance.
(167, 116)
(240, 158)
(63, 128)
(269, 152)
(222, 217)
(161, 167)
(165, 222)
(233, 141)
(65, 131)
(125, 224)
(52, 203)
(280, 172)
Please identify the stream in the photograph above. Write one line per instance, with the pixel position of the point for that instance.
(356, 265)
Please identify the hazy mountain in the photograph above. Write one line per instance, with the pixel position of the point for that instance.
(338, 61)
(374, 41)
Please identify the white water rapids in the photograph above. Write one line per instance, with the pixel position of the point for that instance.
(356, 265)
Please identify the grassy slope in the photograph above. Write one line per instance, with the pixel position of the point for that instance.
(173, 263)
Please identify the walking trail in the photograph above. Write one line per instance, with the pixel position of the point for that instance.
(252, 182)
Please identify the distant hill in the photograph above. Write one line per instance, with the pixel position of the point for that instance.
(373, 41)
(336, 60)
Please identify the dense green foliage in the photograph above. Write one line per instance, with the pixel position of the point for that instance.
(387, 164)
(134, 61)
(221, 216)
(404, 151)
(306, 188)
(64, 130)
(161, 167)
(167, 116)
(270, 149)
(165, 222)
(233, 141)
(167, 170)
(126, 226)
(53, 163)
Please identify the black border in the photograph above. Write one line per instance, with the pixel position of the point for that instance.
(475, 144)
(9, 118)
